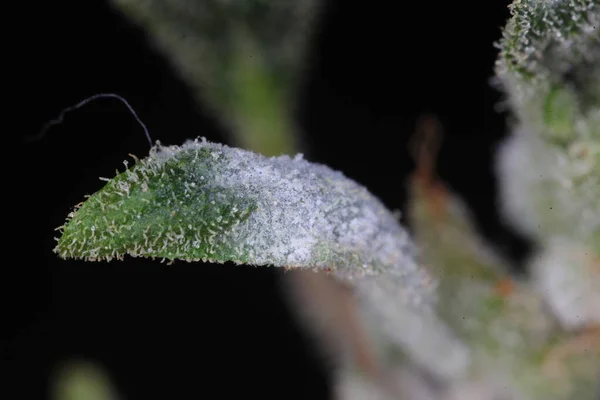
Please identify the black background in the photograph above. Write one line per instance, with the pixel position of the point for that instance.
(204, 331)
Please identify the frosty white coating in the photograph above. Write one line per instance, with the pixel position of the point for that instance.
(309, 215)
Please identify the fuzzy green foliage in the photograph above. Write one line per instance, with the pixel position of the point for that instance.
(159, 208)
(537, 27)
(205, 201)
(550, 58)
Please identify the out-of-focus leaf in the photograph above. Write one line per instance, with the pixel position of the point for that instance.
(504, 322)
(244, 58)
(82, 381)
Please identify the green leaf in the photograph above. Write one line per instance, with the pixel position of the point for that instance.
(205, 201)
(160, 208)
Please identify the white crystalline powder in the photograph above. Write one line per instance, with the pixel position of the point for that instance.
(308, 215)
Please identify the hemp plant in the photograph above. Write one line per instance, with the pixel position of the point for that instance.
(434, 315)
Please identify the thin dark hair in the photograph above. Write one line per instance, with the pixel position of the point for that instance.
(60, 118)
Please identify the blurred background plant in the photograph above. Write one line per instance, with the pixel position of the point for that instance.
(82, 380)
(243, 58)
